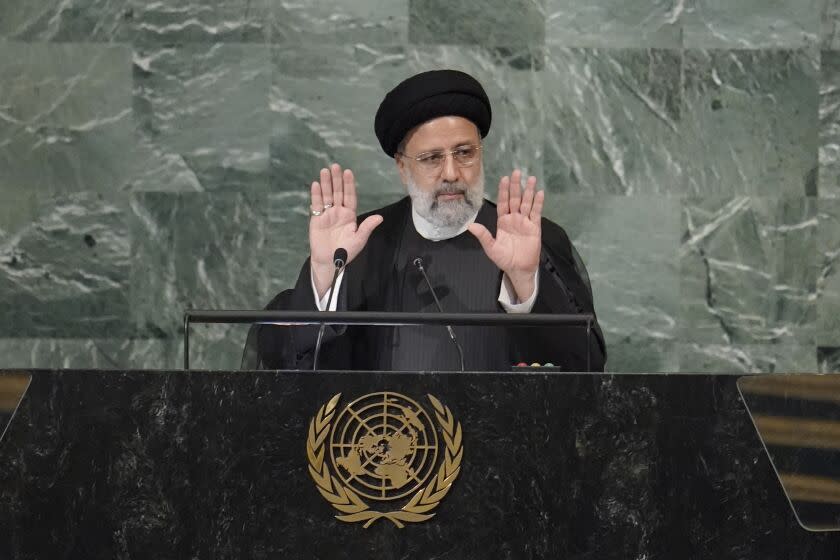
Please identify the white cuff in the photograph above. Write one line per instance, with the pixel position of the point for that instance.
(507, 296)
(321, 304)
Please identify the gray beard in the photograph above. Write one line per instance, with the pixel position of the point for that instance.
(448, 214)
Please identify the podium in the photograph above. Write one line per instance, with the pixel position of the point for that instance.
(529, 464)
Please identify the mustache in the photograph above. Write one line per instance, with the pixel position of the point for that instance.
(451, 188)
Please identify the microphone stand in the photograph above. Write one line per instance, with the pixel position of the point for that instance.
(339, 260)
(418, 262)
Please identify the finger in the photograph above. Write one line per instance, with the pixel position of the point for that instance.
(335, 178)
(528, 197)
(326, 186)
(316, 201)
(350, 200)
(515, 192)
(503, 204)
(367, 226)
(536, 210)
(485, 238)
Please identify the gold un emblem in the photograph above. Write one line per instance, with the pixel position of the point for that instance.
(381, 448)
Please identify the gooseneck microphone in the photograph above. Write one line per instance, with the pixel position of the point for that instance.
(418, 262)
(340, 261)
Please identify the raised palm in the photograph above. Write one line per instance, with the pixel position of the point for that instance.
(516, 248)
(334, 198)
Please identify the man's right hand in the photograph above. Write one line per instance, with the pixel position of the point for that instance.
(335, 194)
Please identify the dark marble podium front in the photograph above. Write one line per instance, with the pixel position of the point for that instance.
(213, 465)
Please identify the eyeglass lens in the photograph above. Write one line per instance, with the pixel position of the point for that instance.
(464, 156)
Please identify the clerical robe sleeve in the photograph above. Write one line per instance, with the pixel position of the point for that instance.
(292, 346)
(507, 296)
(563, 289)
(321, 303)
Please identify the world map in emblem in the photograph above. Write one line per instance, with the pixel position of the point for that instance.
(384, 446)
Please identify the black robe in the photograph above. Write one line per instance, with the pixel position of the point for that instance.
(383, 278)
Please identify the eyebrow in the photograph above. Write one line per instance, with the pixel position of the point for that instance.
(453, 146)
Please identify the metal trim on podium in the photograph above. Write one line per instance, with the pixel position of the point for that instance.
(383, 319)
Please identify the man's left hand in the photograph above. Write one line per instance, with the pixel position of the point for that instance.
(516, 247)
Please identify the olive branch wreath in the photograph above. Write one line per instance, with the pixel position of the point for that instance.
(353, 508)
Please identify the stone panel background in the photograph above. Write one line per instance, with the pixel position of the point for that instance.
(156, 155)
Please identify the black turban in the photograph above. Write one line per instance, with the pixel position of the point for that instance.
(426, 96)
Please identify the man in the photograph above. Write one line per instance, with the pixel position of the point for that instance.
(479, 257)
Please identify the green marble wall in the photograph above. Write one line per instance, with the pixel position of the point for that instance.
(156, 155)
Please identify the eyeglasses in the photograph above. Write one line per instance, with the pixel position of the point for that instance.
(432, 162)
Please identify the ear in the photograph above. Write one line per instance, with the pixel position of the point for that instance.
(401, 168)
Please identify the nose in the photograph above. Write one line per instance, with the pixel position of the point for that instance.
(449, 172)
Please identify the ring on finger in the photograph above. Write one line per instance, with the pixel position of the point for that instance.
(328, 205)
(316, 212)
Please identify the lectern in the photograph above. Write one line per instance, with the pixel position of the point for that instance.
(302, 464)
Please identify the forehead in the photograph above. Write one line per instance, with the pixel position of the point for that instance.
(441, 133)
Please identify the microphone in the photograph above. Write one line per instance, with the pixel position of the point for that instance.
(340, 261)
(340, 257)
(418, 262)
